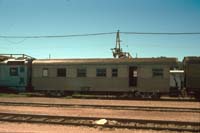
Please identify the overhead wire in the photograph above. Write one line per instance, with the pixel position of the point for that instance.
(59, 36)
(162, 33)
(105, 33)
(15, 42)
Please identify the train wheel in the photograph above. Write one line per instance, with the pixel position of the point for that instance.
(59, 93)
(197, 95)
(156, 96)
(137, 94)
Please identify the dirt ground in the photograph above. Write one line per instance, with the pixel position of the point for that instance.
(181, 104)
(91, 112)
(6, 127)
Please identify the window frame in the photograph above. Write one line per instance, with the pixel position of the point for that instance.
(81, 72)
(60, 73)
(101, 72)
(16, 73)
(114, 73)
(22, 69)
(43, 74)
(157, 72)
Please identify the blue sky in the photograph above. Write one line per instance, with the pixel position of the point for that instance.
(65, 17)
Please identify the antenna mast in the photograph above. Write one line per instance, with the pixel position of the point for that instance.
(117, 51)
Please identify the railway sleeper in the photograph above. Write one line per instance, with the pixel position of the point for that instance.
(111, 122)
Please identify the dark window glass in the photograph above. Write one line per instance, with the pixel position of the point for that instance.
(157, 72)
(61, 72)
(21, 69)
(114, 72)
(81, 72)
(101, 72)
(13, 71)
(21, 80)
(45, 72)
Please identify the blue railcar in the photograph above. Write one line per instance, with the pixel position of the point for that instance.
(15, 73)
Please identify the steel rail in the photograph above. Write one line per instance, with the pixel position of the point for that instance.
(113, 107)
(111, 122)
(132, 98)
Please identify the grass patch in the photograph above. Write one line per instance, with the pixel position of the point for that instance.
(91, 96)
(13, 95)
(68, 97)
(21, 94)
(82, 95)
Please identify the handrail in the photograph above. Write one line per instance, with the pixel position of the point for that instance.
(17, 56)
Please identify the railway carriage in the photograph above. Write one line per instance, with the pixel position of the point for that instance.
(135, 76)
(176, 82)
(192, 75)
(15, 72)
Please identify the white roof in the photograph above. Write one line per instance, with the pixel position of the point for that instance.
(176, 71)
(14, 60)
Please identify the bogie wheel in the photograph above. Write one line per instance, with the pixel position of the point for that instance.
(137, 94)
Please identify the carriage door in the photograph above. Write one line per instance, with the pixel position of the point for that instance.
(132, 76)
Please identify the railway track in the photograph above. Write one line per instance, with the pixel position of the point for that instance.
(113, 107)
(111, 122)
(186, 99)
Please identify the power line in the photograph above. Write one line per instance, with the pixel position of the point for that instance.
(105, 33)
(162, 33)
(59, 36)
(14, 42)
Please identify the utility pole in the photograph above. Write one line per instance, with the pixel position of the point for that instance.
(117, 51)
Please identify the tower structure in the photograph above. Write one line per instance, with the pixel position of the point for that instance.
(117, 51)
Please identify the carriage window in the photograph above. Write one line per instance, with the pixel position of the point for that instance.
(81, 72)
(114, 72)
(157, 72)
(45, 72)
(61, 72)
(21, 69)
(101, 72)
(13, 71)
(135, 74)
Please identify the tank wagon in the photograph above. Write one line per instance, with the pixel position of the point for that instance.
(135, 76)
(192, 75)
(15, 72)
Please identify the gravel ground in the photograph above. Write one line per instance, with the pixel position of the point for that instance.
(89, 112)
(104, 113)
(6, 127)
(181, 104)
